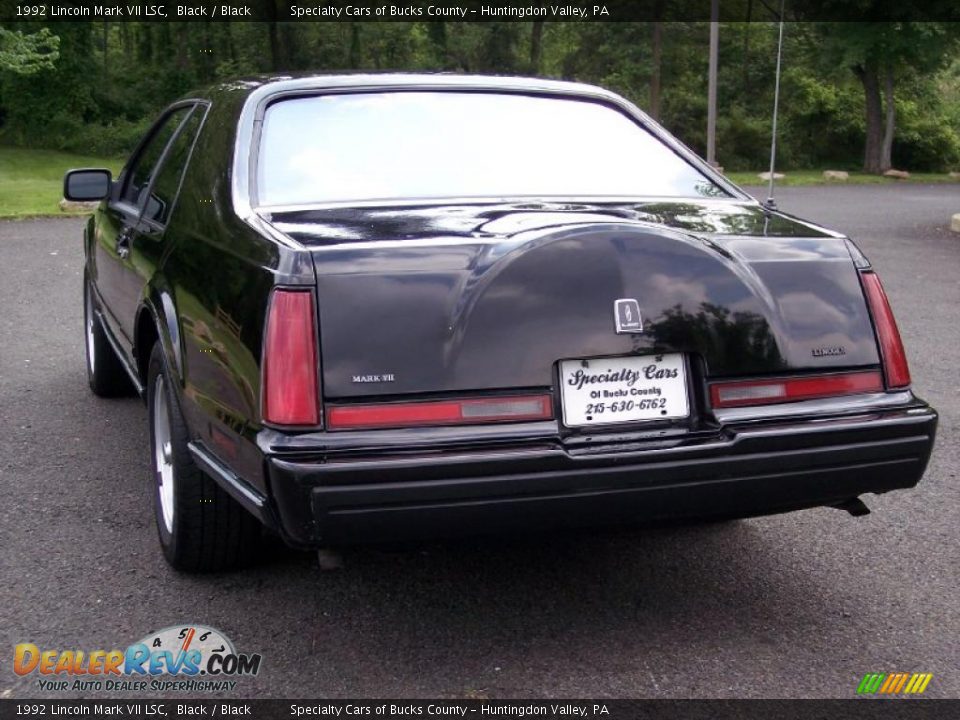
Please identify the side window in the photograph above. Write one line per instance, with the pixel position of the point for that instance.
(139, 174)
(167, 179)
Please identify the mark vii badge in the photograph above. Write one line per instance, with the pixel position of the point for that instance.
(626, 313)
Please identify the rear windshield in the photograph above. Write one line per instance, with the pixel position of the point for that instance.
(421, 145)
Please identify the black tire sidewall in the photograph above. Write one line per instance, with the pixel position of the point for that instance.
(210, 531)
(109, 378)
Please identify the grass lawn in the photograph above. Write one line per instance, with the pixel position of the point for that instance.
(31, 181)
(815, 177)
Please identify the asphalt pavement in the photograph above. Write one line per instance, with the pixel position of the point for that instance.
(799, 605)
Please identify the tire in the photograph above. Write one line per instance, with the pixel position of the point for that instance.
(201, 528)
(105, 374)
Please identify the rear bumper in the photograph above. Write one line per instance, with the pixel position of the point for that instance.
(750, 469)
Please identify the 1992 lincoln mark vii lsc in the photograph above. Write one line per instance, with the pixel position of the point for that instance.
(366, 306)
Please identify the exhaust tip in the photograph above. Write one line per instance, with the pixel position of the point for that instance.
(855, 506)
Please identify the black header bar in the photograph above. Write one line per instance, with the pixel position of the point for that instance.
(45, 11)
(70, 709)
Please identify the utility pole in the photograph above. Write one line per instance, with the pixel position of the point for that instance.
(712, 83)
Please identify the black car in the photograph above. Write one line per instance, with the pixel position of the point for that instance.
(374, 306)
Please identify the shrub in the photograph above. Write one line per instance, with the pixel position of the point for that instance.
(924, 141)
(116, 139)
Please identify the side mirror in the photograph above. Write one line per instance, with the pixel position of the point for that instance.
(87, 185)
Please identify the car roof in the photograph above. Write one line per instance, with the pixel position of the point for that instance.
(284, 83)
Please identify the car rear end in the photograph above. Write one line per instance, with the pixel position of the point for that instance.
(485, 363)
(353, 462)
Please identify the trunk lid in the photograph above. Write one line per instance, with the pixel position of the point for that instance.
(472, 298)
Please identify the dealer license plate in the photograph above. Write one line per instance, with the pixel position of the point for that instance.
(601, 391)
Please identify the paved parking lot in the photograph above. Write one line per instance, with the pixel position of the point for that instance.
(800, 605)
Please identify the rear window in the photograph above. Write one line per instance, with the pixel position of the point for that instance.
(422, 145)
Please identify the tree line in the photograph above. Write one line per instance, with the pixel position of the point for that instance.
(869, 95)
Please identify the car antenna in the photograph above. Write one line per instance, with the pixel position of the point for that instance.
(770, 203)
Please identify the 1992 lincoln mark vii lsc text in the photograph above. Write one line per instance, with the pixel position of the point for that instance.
(366, 306)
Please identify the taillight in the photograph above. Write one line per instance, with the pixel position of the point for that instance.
(289, 389)
(741, 393)
(511, 408)
(892, 354)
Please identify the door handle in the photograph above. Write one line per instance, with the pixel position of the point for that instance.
(123, 242)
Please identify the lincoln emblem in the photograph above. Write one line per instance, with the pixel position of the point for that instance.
(626, 313)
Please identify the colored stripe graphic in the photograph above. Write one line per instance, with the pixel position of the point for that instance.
(889, 682)
(901, 682)
(871, 682)
(894, 683)
(918, 683)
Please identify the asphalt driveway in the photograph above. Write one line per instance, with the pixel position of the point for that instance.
(800, 605)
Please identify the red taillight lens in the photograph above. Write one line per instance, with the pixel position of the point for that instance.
(766, 392)
(891, 346)
(289, 389)
(441, 412)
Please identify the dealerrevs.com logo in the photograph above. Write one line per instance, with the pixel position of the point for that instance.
(188, 658)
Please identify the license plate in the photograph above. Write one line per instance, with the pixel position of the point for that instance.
(601, 391)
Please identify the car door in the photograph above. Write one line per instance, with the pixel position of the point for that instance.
(149, 240)
(117, 277)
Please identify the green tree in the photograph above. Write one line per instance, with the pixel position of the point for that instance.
(28, 54)
(881, 54)
(96, 86)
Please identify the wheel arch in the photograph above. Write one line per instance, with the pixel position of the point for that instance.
(157, 321)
